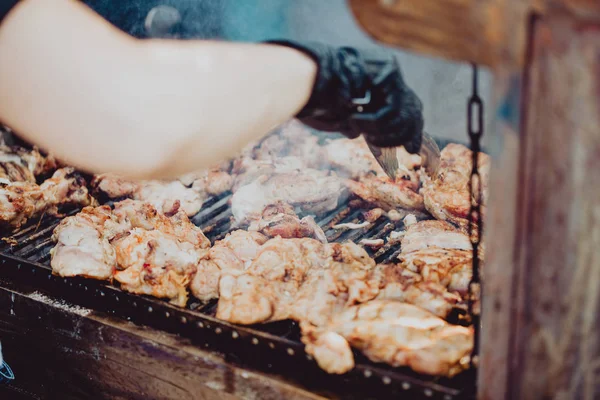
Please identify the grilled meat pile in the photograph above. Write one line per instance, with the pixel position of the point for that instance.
(144, 250)
(21, 165)
(277, 264)
(392, 332)
(188, 193)
(23, 200)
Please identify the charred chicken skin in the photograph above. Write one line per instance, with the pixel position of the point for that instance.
(447, 195)
(134, 244)
(20, 201)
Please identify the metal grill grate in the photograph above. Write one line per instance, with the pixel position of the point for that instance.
(273, 347)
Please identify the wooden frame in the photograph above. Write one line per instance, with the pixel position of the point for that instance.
(541, 307)
(109, 358)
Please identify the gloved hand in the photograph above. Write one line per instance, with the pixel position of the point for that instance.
(361, 92)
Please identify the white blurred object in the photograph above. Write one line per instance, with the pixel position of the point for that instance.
(161, 21)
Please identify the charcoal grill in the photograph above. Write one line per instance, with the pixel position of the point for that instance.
(25, 257)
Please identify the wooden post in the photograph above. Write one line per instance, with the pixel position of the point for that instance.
(541, 304)
(555, 349)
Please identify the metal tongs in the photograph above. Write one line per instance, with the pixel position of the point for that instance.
(388, 159)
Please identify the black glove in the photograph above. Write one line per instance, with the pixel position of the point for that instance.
(361, 92)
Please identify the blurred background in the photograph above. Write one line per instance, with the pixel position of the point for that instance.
(443, 86)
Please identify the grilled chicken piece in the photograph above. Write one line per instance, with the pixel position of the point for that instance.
(21, 165)
(384, 193)
(157, 264)
(353, 159)
(298, 279)
(279, 219)
(20, 201)
(159, 256)
(275, 274)
(83, 245)
(146, 251)
(398, 334)
(440, 253)
(447, 195)
(167, 197)
(245, 299)
(345, 280)
(436, 234)
(213, 183)
(311, 190)
(400, 284)
(143, 215)
(234, 253)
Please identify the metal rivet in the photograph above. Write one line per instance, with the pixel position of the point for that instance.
(183, 320)
(272, 345)
(235, 335)
(360, 108)
(309, 357)
(368, 373)
(405, 385)
(254, 341)
(117, 298)
(200, 325)
(167, 315)
(290, 352)
(218, 331)
(135, 304)
(102, 294)
(428, 392)
(149, 309)
(386, 380)
(85, 288)
(447, 397)
(207, 326)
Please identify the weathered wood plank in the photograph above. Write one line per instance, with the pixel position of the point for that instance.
(499, 234)
(74, 354)
(487, 32)
(556, 348)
